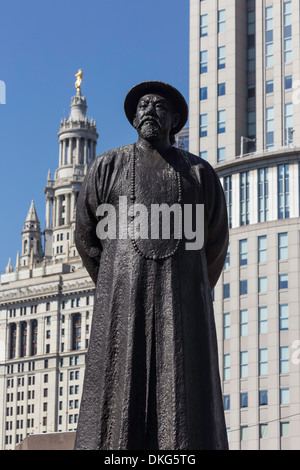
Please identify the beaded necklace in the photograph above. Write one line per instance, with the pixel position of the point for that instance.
(133, 198)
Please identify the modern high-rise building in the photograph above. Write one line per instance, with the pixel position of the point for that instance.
(46, 302)
(245, 120)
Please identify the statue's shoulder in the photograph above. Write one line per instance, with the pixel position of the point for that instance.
(117, 153)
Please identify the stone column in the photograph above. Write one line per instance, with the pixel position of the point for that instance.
(67, 209)
(29, 338)
(85, 155)
(48, 212)
(64, 152)
(77, 150)
(18, 340)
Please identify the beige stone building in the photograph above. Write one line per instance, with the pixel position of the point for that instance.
(46, 302)
(244, 119)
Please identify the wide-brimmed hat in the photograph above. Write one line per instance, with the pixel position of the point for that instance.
(161, 88)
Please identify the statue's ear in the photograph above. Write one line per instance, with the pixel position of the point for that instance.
(176, 119)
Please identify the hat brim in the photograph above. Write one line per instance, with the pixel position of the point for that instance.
(161, 88)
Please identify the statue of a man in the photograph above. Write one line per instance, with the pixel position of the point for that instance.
(152, 377)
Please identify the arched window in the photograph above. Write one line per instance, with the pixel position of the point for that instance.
(76, 332)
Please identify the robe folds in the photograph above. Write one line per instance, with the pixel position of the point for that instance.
(152, 376)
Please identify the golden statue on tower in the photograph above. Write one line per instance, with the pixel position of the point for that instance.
(78, 75)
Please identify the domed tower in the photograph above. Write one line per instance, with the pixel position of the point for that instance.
(77, 150)
(31, 239)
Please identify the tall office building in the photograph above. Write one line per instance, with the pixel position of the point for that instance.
(245, 120)
(46, 301)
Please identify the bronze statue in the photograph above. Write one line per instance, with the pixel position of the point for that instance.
(152, 378)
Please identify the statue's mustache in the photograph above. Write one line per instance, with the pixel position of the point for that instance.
(147, 119)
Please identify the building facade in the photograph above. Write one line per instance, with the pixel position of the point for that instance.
(244, 119)
(46, 301)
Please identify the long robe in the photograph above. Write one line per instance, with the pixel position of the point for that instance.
(152, 376)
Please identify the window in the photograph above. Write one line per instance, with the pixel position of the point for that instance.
(226, 291)
(263, 397)
(284, 396)
(243, 252)
(284, 429)
(283, 317)
(76, 332)
(270, 128)
(269, 86)
(243, 287)
(244, 400)
(227, 260)
(203, 125)
(226, 367)
(221, 89)
(263, 431)
(288, 82)
(263, 320)
(226, 402)
(244, 198)
(244, 322)
(203, 62)
(203, 25)
(221, 154)
(203, 93)
(283, 281)
(262, 284)
(244, 433)
(283, 192)
(282, 246)
(263, 361)
(284, 366)
(269, 36)
(228, 198)
(226, 325)
(203, 154)
(288, 123)
(263, 195)
(288, 43)
(244, 364)
(221, 121)
(262, 249)
(221, 21)
(221, 57)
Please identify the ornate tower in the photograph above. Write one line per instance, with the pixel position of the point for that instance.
(31, 239)
(77, 150)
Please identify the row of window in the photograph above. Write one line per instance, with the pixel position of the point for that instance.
(204, 23)
(221, 61)
(262, 320)
(262, 285)
(284, 363)
(263, 431)
(284, 398)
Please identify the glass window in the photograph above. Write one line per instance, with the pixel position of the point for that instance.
(263, 320)
(288, 122)
(263, 194)
(226, 366)
(244, 198)
(244, 433)
(244, 400)
(263, 431)
(262, 249)
(284, 366)
(221, 121)
(262, 284)
(203, 154)
(221, 21)
(269, 86)
(283, 192)
(288, 82)
(244, 364)
(283, 317)
(203, 93)
(226, 325)
(243, 287)
(221, 57)
(284, 429)
(203, 62)
(203, 25)
(226, 402)
(228, 198)
(221, 154)
(226, 290)
(263, 361)
(221, 89)
(243, 252)
(284, 396)
(270, 128)
(227, 260)
(263, 397)
(203, 125)
(283, 281)
(244, 322)
(282, 246)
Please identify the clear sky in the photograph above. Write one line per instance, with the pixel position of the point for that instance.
(117, 43)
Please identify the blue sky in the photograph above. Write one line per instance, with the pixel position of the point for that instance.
(117, 43)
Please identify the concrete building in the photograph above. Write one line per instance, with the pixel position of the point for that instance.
(46, 302)
(245, 120)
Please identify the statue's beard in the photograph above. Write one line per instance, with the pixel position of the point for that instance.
(149, 130)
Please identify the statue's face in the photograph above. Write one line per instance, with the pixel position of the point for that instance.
(154, 117)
